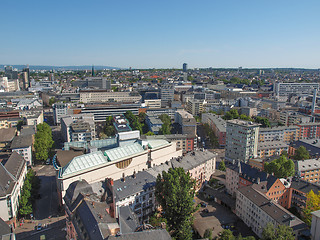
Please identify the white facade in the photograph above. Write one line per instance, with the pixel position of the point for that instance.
(153, 103)
(26, 153)
(59, 110)
(104, 96)
(232, 181)
(285, 89)
(241, 140)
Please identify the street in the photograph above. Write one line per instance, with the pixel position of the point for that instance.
(46, 209)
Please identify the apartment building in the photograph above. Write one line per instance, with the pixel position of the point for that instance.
(22, 144)
(95, 96)
(12, 172)
(293, 118)
(309, 170)
(281, 133)
(217, 124)
(241, 140)
(311, 145)
(285, 89)
(257, 210)
(271, 148)
(167, 94)
(309, 130)
(195, 106)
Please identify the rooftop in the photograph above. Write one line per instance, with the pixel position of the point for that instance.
(22, 141)
(243, 123)
(272, 145)
(7, 134)
(306, 165)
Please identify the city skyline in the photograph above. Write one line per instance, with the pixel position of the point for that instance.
(124, 34)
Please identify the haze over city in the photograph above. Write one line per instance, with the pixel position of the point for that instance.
(161, 34)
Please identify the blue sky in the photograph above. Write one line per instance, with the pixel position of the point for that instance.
(161, 34)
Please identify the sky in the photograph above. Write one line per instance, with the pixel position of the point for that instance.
(161, 34)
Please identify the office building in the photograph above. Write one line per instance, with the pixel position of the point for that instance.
(104, 96)
(11, 73)
(167, 94)
(59, 110)
(26, 78)
(98, 82)
(187, 122)
(241, 140)
(185, 67)
(152, 103)
(285, 89)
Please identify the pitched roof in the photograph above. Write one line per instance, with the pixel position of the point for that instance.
(21, 141)
(304, 186)
(4, 228)
(123, 152)
(15, 164)
(7, 134)
(156, 234)
(6, 181)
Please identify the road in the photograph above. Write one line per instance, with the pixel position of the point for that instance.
(46, 209)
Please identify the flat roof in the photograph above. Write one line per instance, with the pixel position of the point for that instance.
(306, 165)
(243, 123)
(272, 145)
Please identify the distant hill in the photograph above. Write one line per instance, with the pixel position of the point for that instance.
(59, 68)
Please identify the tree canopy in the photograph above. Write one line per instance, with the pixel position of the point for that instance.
(43, 141)
(228, 235)
(166, 126)
(301, 153)
(281, 167)
(263, 121)
(222, 166)
(280, 232)
(175, 191)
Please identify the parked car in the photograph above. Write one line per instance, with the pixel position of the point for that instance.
(203, 204)
(39, 227)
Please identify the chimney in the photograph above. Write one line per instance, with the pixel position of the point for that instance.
(123, 177)
(134, 174)
(258, 180)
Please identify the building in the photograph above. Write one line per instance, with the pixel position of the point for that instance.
(132, 156)
(104, 96)
(11, 73)
(78, 127)
(187, 123)
(281, 133)
(26, 78)
(285, 89)
(271, 148)
(101, 112)
(309, 130)
(22, 144)
(167, 94)
(293, 118)
(98, 82)
(12, 175)
(308, 170)
(59, 110)
(241, 140)
(32, 117)
(152, 103)
(6, 231)
(154, 123)
(248, 111)
(195, 106)
(217, 124)
(315, 225)
(6, 137)
(311, 145)
(257, 210)
(185, 67)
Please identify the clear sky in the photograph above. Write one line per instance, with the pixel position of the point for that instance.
(161, 33)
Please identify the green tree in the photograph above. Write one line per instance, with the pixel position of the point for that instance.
(43, 141)
(149, 133)
(222, 166)
(245, 117)
(301, 153)
(280, 232)
(156, 220)
(281, 167)
(226, 235)
(52, 101)
(208, 234)
(166, 126)
(175, 191)
(263, 121)
(312, 204)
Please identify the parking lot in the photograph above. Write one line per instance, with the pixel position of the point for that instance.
(216, 217)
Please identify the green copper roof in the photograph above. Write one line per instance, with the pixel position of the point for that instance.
(125, 151)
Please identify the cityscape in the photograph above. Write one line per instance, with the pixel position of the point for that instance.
(159, 120)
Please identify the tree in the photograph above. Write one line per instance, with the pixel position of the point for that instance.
(280, 232)
(175, 191)
(312, 204)
(222, 166)
(281, 167)
(301, 153)
(166, 126)
(226, 235)
(263, 121)
(149, 133)
(52, 101)
(208, 234)
(43, 141)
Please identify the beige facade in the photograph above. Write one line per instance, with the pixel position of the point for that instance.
(195, 106)
(153, 103)
(106, 96)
